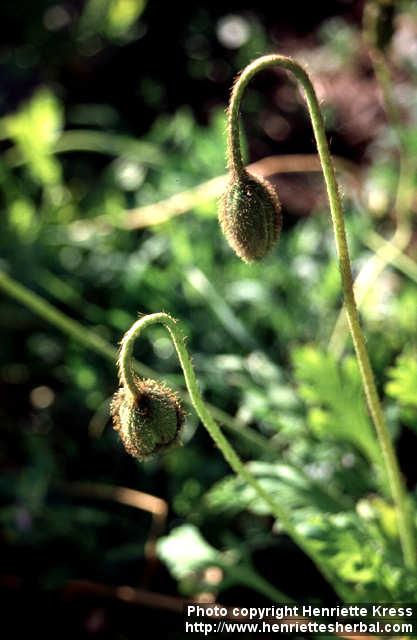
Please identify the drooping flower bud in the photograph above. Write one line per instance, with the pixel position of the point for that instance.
(250, 216)
(149, 422)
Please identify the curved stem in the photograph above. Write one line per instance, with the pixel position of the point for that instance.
(405, 525)
(125, 361)
(86, 337)
(229, 453)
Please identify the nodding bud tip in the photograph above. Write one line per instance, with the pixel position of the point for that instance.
(150, 422)
(250, 216)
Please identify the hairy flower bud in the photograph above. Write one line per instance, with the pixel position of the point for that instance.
(149, 422)
(250, 216)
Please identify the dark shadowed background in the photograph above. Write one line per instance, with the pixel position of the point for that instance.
(108, 106)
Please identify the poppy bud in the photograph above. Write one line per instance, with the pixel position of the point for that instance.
(250, 216)
(148, 422)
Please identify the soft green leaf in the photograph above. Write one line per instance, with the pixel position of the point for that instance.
(402, 383)
(185, 551)
(35, 128)
(287, 485)
(356, 552)
(334, 395)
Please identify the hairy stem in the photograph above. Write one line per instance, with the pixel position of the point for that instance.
(229, 453)
(405, 525)
(92, 341)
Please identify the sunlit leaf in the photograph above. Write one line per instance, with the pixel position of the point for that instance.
(35, 128)
(402, 383)
(334, 396)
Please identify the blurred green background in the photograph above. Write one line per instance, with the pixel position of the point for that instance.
(109, 107)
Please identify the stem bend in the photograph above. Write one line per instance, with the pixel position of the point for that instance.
(236, 166)
(229, 453)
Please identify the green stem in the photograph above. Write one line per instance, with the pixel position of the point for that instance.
(90, 340)
(405, 525)
(72, 328)
(371, 17)
(127, 378)
(96, 142)
(391, 250)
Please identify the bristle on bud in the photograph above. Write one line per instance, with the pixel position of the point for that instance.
(250, 216)
(149, 422)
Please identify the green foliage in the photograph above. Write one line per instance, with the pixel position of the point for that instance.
(188, 556)
(185, 551)
(67, 196)
(333, 394)
(287, 484)
(360, 557)
(114, 19)
(34, 129)
(402, 386)
(403, 380)
(355, 546)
